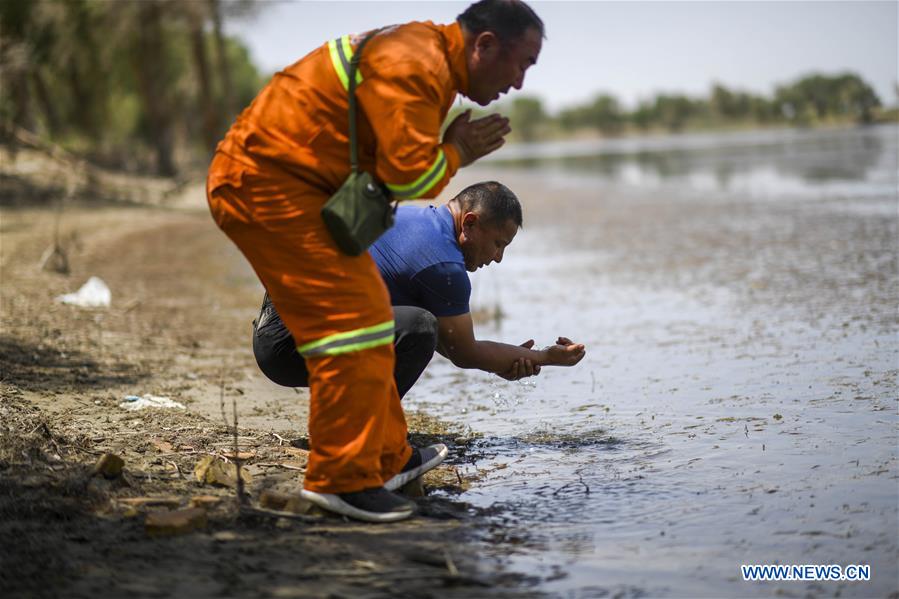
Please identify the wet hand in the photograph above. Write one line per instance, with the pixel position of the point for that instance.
(565, 352)
(475, 139)
(522, 367)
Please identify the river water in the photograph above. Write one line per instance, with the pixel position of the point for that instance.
(738, 297)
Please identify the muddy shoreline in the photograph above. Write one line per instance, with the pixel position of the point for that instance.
(737, 403)
(178, 327)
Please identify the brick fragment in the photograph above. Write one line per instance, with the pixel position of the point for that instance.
(204, 501)
(178, 522)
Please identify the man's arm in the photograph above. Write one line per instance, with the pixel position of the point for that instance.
(403, 97)
(457, 342)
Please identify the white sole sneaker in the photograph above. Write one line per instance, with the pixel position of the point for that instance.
(404, 477)
(333, 503)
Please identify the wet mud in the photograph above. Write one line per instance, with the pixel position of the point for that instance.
(738, 402)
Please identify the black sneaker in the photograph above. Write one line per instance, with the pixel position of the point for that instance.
(421, 461)
(369, 505)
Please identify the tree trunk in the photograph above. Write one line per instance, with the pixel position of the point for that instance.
(229, 110)
(208, 110)
(46, 103)
(150, 68)
(24, 117)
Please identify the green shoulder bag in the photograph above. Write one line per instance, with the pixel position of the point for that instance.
(360, 211)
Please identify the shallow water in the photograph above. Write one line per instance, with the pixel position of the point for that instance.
(738, 401)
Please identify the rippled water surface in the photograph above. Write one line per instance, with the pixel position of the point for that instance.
(738, 402)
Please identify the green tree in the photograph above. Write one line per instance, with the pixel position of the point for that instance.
(123, 82)
(819, 97)
(605, 114)
(643, 116)
(526, 115)
(672, 111)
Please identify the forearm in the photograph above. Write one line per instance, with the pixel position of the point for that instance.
(493, 356)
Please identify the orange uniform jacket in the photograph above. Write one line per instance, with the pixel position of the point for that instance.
(408, 78)
(286, 154)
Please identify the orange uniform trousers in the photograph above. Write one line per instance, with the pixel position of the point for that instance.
(357, 430)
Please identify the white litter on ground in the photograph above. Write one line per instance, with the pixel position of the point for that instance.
(133, 402)
(93, 294)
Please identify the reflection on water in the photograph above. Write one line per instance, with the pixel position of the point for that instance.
(738, 400)
(760, 164)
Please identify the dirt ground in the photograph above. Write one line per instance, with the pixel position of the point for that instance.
(179, 327)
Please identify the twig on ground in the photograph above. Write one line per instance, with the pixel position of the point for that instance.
(281, 440)
(237, 461)
(450, 565)
(177, 469)
(569, 483)
(84, 449)
(286, 466)
(222, 396)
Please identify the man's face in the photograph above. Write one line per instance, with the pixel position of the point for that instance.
(494, 66)
(483, 243)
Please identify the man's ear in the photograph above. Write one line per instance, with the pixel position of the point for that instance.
(486, 43)
(470, 219)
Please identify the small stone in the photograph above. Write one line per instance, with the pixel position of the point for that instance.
(298, 505)
(179, 522)
(413, 488)
(213, 471)
(273, 500)
(282, 502)
(130, 512)
(109, 465)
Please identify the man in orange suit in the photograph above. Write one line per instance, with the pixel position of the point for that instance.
(288, 152)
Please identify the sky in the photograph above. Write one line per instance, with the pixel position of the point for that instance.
(630, 49)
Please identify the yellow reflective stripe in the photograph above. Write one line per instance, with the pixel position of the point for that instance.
(341, 53)
(338, 65)
(347, 338)
(344, 349)
(348, 54)
(424, 183)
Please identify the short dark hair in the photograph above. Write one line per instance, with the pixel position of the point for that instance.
(493, 201)
(508, 19)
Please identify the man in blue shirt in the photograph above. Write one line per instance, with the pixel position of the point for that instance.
(424, 260)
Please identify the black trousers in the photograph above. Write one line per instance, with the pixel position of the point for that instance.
(277, 356)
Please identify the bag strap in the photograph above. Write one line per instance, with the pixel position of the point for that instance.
(354, 65)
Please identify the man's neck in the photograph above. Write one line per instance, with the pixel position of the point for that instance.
(456, 210)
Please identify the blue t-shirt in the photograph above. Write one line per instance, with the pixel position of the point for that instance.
(421, 262)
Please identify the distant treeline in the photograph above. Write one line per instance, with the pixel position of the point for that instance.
(152, 85)
(814, 99)
(145, 85)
